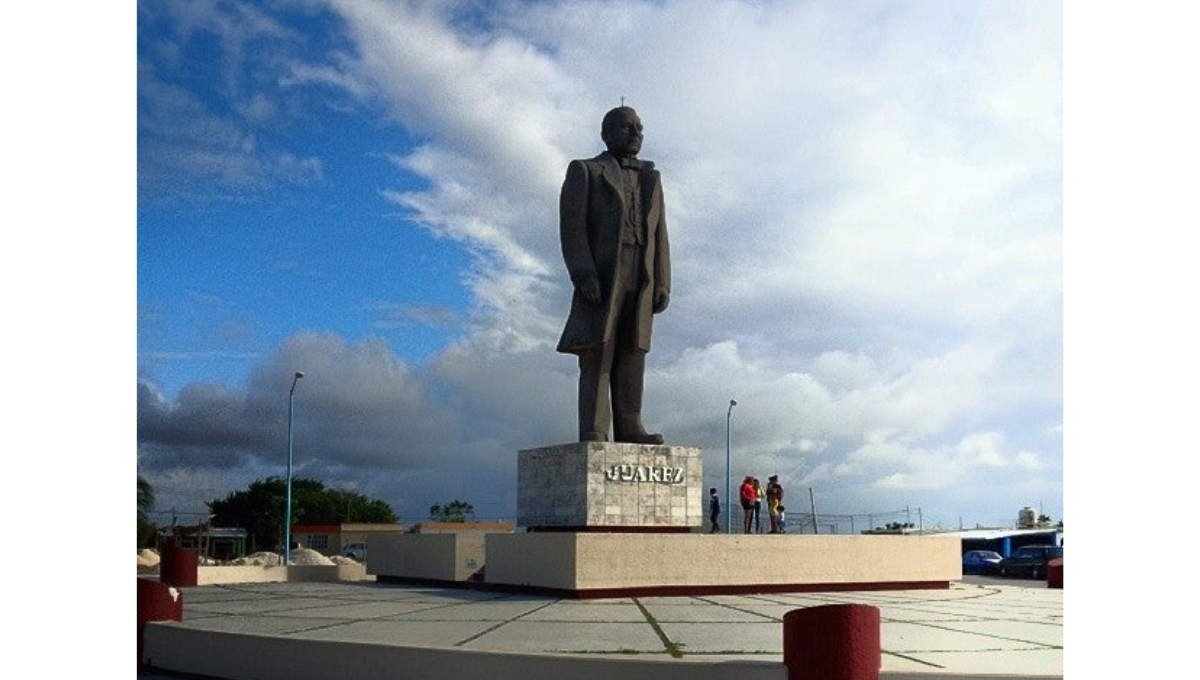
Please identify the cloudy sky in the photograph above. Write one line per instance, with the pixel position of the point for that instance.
(865, 204)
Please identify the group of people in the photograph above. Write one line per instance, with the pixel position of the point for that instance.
(751, 494)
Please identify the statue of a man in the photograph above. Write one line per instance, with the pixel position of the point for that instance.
(614, 241)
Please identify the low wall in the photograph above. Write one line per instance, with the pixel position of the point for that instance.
(250, 657)
(608, 563)
(209, 576)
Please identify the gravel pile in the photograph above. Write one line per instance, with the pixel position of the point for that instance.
(149, 559)
(308, 556)
(259, 559)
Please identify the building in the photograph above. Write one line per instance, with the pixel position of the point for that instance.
(218, 543)
(462, 527)
(1005, 541)
(332, 539)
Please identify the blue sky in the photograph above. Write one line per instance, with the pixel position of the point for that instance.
(866, 211)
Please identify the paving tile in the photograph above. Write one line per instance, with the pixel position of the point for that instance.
(725, 638)
(269, 625)
(477, 611)
(389, 631)
(1027, 632)
(528, 636)
(272, 605)
(596, 612)
(709, 613)
(1003, 662)
(910, 638)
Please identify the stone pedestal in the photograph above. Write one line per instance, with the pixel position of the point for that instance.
(605, 486)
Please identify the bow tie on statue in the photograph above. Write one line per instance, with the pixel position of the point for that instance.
(630, 163)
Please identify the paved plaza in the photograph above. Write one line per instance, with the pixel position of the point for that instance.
(970, 629)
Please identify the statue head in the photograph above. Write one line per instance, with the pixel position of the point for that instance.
(621, 131)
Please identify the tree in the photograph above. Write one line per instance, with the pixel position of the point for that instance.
(454, 511)
(145, 505)
(145, 497)
(260, 509)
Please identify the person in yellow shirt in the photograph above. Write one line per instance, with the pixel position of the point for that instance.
(775, 503)
(759, 495)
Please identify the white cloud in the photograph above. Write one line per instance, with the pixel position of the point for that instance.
(864, 203)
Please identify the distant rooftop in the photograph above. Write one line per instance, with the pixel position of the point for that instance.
(991, 534)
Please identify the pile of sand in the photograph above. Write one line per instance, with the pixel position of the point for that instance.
(148, 558)
(308, 556)
(259, 559)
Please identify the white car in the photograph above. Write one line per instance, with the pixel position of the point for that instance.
(356, 550)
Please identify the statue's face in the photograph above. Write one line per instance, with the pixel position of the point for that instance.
(624, 134)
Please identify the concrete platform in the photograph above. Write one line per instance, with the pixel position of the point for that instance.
(573, 564)
(446, 557)
(367, 631)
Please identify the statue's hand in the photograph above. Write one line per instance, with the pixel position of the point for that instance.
(590, 290)
(662, 298)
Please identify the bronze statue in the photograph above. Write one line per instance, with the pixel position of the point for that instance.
(614, 242)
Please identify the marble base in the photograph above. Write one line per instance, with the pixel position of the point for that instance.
(610, 486)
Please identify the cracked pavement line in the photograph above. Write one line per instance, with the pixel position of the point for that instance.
(501, 624)
(671, 647)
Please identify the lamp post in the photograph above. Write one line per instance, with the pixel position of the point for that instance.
(287, 522)
(728, 507)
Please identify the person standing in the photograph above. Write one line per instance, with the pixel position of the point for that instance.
(747, 497)
(714, 510)
(759, 494)
(775, 503)
(613, 235)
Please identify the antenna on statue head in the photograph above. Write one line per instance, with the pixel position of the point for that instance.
(622, 101)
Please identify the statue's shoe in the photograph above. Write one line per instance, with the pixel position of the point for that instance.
(640, 438)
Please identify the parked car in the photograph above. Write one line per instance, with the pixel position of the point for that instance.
(981, 562)
(1029, 561)
(356, 550)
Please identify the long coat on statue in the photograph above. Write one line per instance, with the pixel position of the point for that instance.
(590, 210)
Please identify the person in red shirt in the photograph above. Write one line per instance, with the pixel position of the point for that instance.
(749, 496)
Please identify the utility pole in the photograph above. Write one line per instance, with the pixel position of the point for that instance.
(287, 521)
(812, 502)
(728, 507)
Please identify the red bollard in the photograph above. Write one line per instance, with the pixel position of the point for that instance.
(1054, 573)
(832, 642)
(156, 602)
(179, 566)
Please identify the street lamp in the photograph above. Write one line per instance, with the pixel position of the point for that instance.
(287, 525)
(728, 507)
